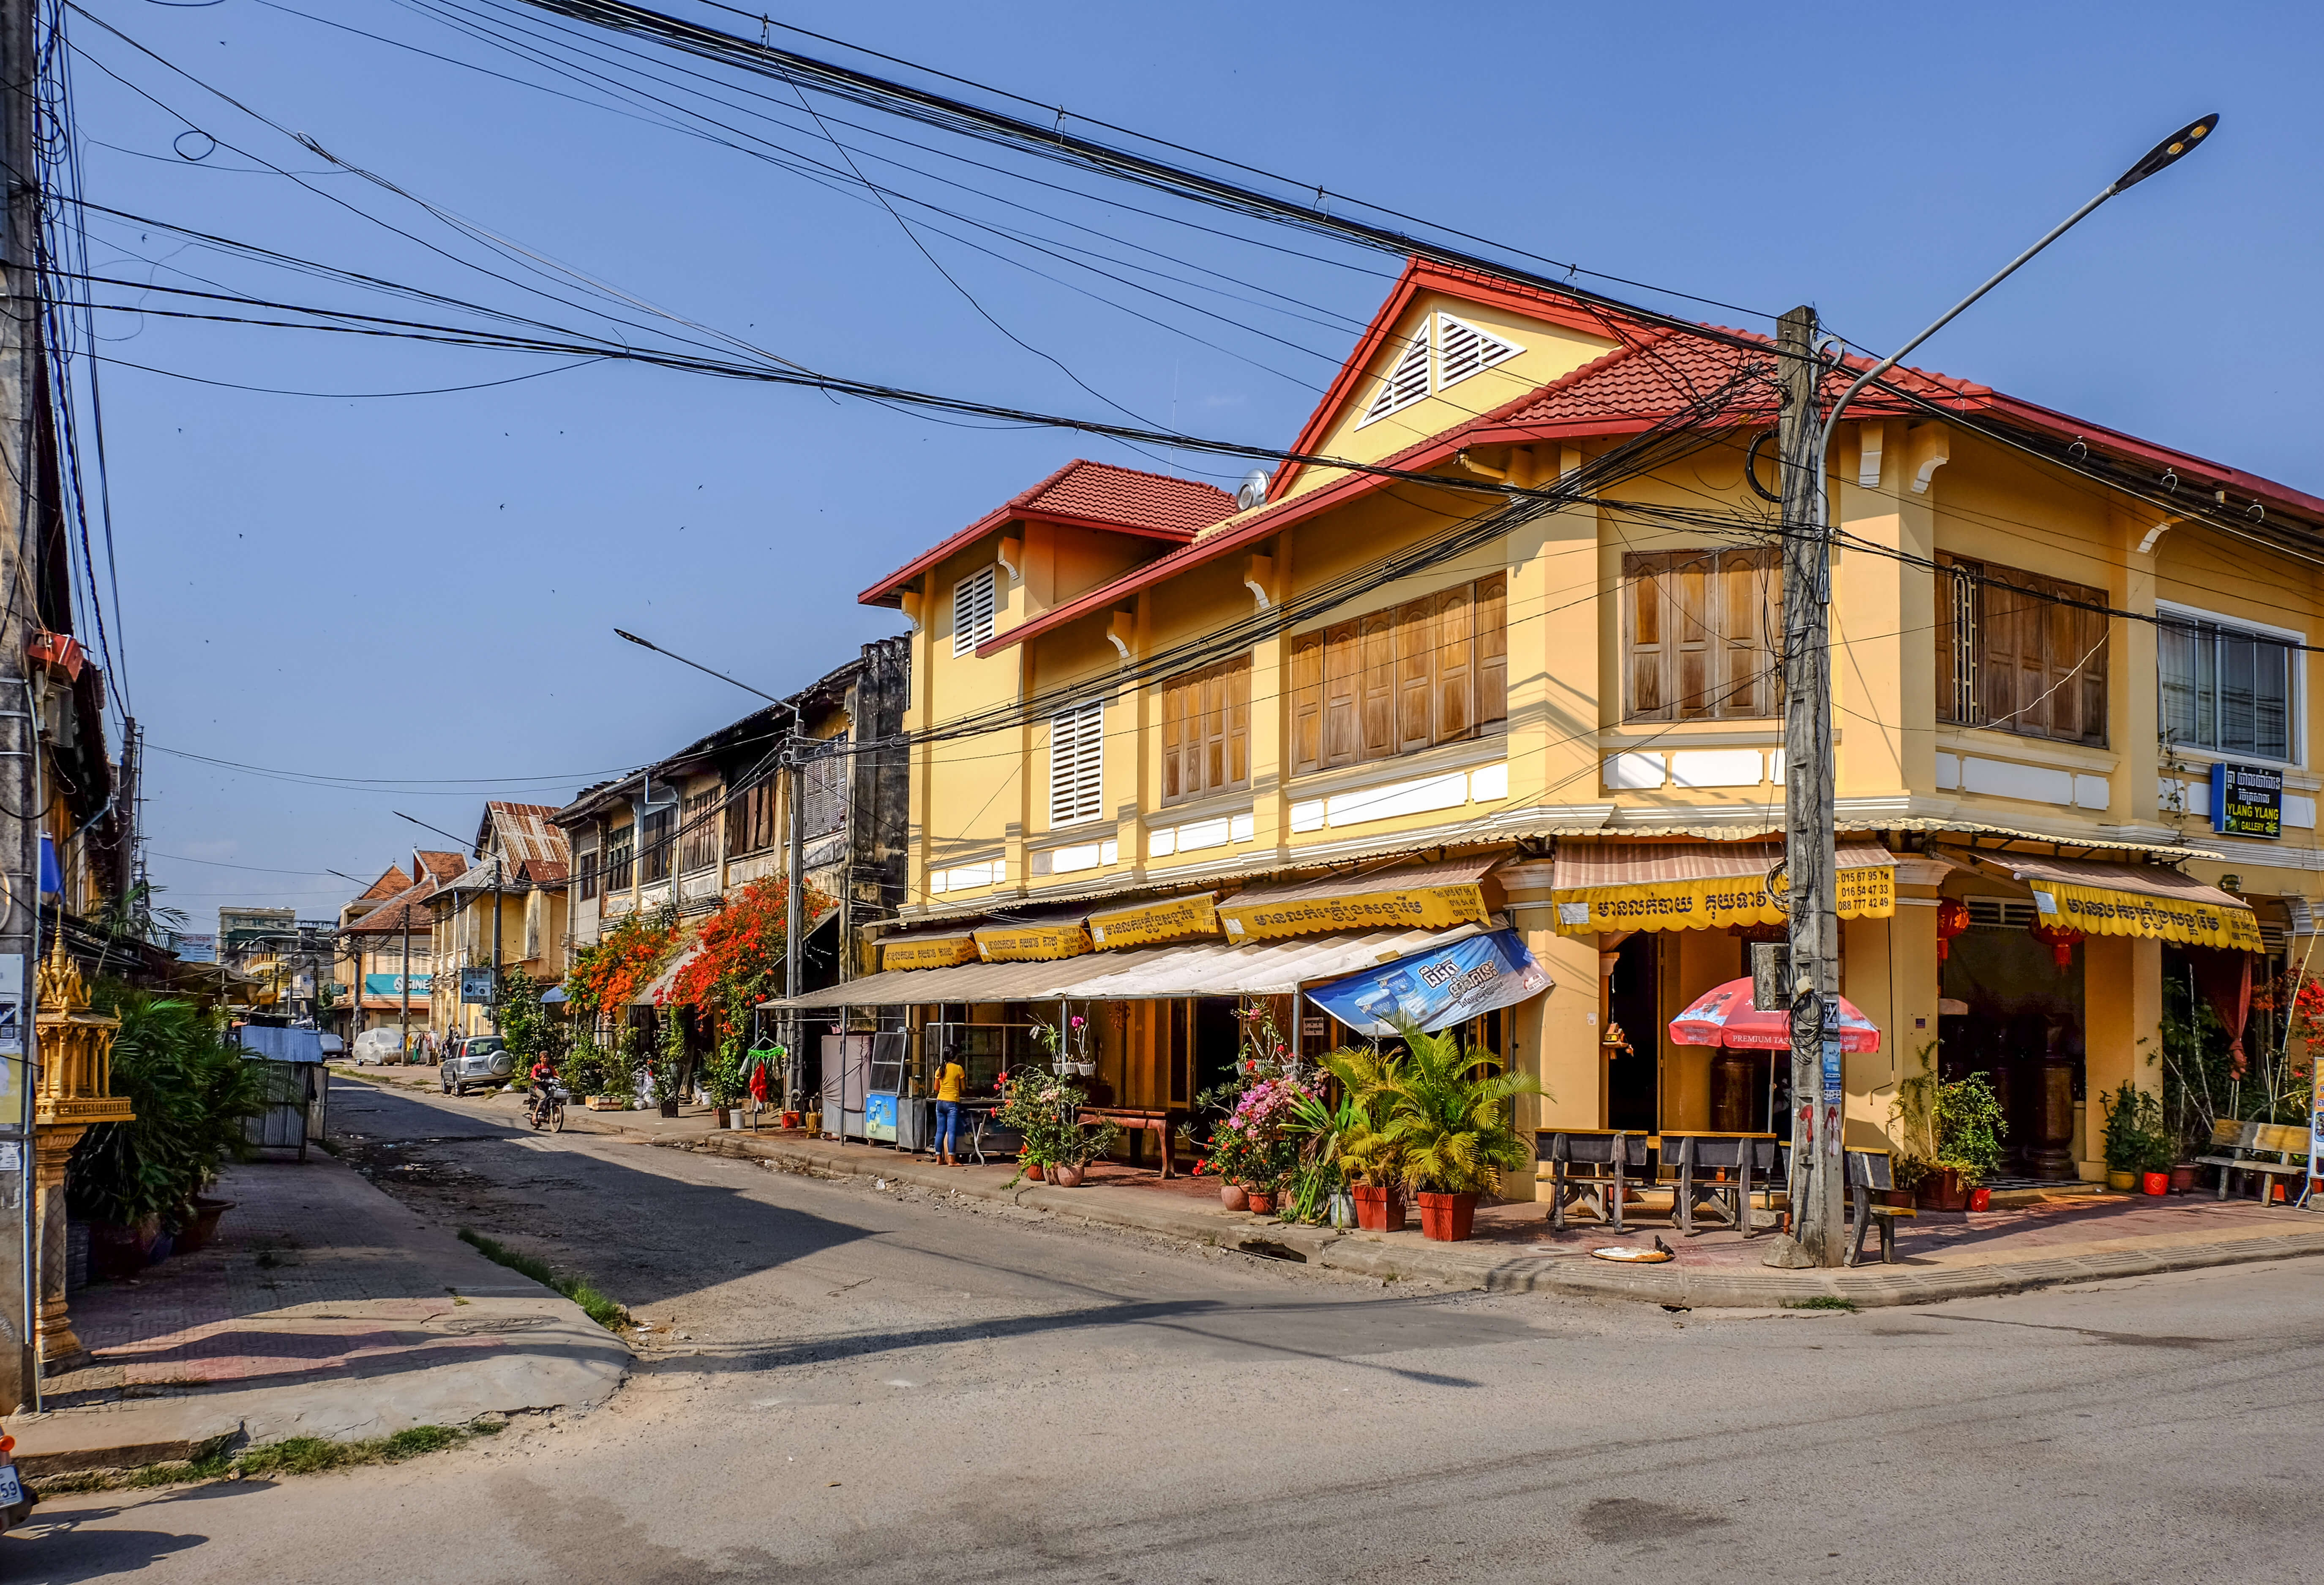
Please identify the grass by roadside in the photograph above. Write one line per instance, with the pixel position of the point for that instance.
(602, 1309)
(1821, 1302)
(297, 1455)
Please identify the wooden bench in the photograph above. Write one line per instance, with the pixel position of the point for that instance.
(1728, 1198)
(2237, 1146)
(1868, 1170)
(1610, 1160)
(1158, 1121)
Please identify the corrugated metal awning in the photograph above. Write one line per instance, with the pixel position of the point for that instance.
(1206, 968)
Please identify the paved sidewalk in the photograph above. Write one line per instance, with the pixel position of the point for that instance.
(2073, 1236)
(324, 1308)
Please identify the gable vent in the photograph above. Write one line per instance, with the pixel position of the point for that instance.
(2001, 913)
(1462, 350)
(972, 611)
(1405, 384)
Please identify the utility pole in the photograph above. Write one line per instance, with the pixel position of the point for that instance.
(403, 987)
(1818, 1095)
(20, 744)
(794, 902)
(494, 1006)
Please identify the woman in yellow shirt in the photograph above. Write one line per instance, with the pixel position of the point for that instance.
(952, 1079)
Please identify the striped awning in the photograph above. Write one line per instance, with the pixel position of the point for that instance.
(2100, 898)
(1700, 885)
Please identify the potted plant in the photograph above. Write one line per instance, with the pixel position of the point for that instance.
(2133, 1117)
(1952, 1139)
(1044, 1111)
(1453, 1116)
(1253, 1145)
(1341, 1144)
(2162, 1153)
(722, 1077)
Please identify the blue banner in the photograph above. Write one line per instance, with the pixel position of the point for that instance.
(1442, 986)
(392, 984)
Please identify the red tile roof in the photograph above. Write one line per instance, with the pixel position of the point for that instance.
(388, 918)
(392, 880)
(1658, 374)
(441, 867)
(1081, 494)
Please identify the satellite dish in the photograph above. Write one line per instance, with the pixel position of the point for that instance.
(1254, 490)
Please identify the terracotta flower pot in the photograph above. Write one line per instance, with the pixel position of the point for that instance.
(1262, 1201)
(1447, 1218)
(724, 1121)
(1234, 1197)
(1032, 1171)
(1980, 1199)
(115, 1252)
(670, 1109)
(201, 1225)
(1942, 1190)
(1067, 1178)
(1378, 1208)
(2186, 1179)
(2156, 1183)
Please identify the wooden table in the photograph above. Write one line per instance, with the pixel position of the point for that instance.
(1740, 1154)
(1156, 1120)
(1610, 1156)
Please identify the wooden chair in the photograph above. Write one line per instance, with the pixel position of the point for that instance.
(1868, 1170)
(2238, 1147)
(1729, 1200)
(1608, 1160)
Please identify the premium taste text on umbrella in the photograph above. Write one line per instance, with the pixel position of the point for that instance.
(1725, 1017)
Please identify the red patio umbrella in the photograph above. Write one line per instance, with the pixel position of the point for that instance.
(1725, 1017)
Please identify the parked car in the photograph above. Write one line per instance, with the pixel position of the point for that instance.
(476, 1059)
(378, 1048)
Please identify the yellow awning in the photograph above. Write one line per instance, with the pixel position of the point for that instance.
(928, 952)
(2100, 898)
(1700, 885)
(1171, 919)
(1428, 897)
(1033, 941)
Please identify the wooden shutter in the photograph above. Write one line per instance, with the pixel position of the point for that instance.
(1952, 664)
(2097, 634)
(1379, 655)
(1344, 684)
(1746, 680)
(1307, 702)
(1642, 622)
(1492, 649)
(1415, 665)
(1173, 738)
(1456, 664)
(1693, 640)
(1238, 722)
(2063, 651)
(1214, 731)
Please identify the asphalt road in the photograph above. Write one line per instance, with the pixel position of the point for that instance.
(885, 1387)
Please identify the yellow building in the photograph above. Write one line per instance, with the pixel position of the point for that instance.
(506, 912)
(1517, 665)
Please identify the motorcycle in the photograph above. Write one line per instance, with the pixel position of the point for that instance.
(15, 1501)
(546, 1110)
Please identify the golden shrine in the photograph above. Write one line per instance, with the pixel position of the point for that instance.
(73, 1090)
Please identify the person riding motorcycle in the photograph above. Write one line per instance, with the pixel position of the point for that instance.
(543, 1076)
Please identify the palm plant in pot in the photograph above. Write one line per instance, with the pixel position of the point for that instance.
(1353, 1135)
(1453, 1115)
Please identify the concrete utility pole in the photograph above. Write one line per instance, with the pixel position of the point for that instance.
(1808, 840)
(493, 1008)
(403, 987)
(20, 746)
(794, 903)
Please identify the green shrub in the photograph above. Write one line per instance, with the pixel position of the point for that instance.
(192, 1090)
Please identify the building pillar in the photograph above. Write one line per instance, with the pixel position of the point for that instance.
(74, 1091)
(58, 1346)
(2122, 1006)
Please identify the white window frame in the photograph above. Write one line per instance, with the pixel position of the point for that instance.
(1445, 326)
(2296, 690)
(1077, 747)
(1386, 400)
(971, 628)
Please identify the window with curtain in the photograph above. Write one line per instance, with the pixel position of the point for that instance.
(1698, 635)
(1206, 731)
(1406, 677)
(2022, 653)
(2224, 687)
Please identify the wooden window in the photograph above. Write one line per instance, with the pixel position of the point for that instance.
(698, 847)
(1077, 764)
(823, 804)
(1206, 731)
(620, 857)
(2021, 653)
(973, 600)
(656, 835)
(1699, 631)
(588, 875)
(1394, 681)
(751, 816)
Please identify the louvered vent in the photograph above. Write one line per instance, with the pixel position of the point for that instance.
(1462, 350)
(972, 611)
(1405, 384)
(2001, 913)
(1076, 764)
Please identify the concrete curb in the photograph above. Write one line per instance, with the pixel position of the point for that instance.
(1477, 1266)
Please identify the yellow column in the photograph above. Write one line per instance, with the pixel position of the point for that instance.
(2122, 1002)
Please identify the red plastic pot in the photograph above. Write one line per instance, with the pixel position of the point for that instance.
(1447, 1218)
(2157, 1184)
(1980, 1199)
(1378, 1209)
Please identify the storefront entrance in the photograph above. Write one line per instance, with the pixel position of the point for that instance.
(1634, 1003)
(2017, 1017)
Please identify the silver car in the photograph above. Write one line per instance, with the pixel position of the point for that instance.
(476, 1059)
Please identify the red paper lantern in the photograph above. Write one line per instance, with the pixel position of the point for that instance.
(2059, 938)
(1952, 918)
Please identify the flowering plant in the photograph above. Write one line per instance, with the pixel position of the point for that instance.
(606, 975)
(1067, 1040)
(737, 960)
(1044, 1111)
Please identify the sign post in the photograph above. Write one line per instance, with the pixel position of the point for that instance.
(2247, 800)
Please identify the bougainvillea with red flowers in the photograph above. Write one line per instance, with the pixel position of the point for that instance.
(738, 956)
(606, 977)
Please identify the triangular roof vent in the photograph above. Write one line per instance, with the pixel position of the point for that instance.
(1462, 349)
(1405, 384)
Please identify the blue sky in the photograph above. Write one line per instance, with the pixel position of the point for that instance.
(417, 590)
